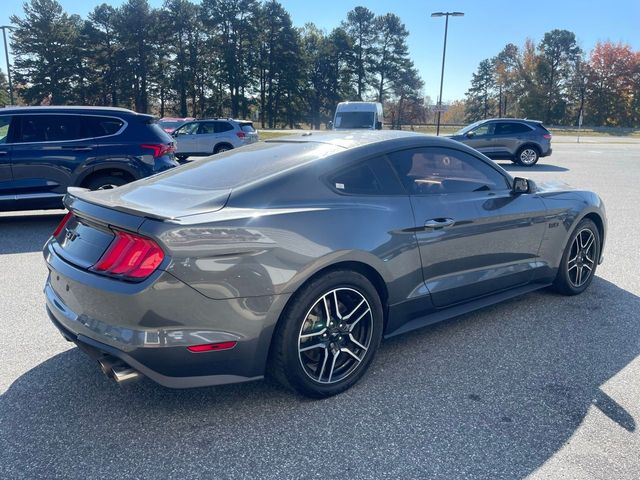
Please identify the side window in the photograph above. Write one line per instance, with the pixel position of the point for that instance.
(511, 128)
(187, 129)
(223, 127)
(484, 129)
(101, 126)
(5, 123)
(371, 177)
(50, 128)
(442, 170)
(206, 128)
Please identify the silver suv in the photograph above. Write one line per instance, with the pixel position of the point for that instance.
(521, 141)
(207, 137)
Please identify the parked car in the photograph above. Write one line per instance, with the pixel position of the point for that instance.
(521, 141)
(45, 150)
(169, 124)
(358, 115)
(208, 137)
(294, 257)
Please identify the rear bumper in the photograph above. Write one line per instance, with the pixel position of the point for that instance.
(96, 349)
(150, 325)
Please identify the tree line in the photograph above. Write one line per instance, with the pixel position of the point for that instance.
(556, 82)
(239, 58)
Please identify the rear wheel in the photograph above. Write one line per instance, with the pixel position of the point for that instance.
(222, 148)
(580, 259)
(106, 182)
(527, 156)
(328, 335)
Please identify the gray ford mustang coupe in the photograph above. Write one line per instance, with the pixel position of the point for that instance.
(295, 257)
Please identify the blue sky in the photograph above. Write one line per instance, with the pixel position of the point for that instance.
(486, 27)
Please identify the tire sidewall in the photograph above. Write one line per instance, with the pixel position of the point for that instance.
(563, 281)
(522, 149)
(295, 315)
(106, 180)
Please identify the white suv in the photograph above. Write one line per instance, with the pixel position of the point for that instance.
(207, 137)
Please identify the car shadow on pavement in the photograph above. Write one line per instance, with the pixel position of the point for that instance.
(28, 233)
(538, 167)
(492, 394)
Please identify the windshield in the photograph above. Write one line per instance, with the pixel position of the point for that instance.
(468, 128)
(354, 120)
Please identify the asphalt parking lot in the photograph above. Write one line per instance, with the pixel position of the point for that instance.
(543, 385)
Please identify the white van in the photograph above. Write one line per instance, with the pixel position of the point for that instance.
(360, 115)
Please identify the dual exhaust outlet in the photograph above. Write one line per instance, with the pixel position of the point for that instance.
(117, 370)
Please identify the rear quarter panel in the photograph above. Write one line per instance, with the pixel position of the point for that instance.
(244, 250)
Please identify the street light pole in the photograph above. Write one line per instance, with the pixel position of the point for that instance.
(6, 55)
(444, 53)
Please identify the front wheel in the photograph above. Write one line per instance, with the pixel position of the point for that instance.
(328, 335)
(527, 156)
(580, 259)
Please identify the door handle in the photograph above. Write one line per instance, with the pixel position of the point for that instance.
(439, 223)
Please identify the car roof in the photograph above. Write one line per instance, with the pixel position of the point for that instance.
(521, 120)
(68, 109)
(349, 138)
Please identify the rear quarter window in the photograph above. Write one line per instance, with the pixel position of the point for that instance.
(102, 126)
(223, 127)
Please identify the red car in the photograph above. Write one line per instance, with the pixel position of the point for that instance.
(169, 124)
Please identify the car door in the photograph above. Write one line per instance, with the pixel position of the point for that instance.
(187, 138)
(475, 237)
(207, 137)
(481, 137)
(48, 151)
(6, 177)
(508, 137)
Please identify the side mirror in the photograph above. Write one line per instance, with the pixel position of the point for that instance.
(523, 185)
(378, 125)
(470, 135)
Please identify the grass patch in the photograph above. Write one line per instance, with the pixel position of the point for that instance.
(271, 135)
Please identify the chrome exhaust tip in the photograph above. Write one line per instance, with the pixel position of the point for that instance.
(122, 374)
(107, 363)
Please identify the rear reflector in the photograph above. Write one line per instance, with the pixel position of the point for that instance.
(62, 223)
(130, 256)
(160, 149)
(211, 347)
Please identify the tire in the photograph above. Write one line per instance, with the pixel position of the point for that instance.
(106, 182)
(328, 368)
(527, 156)
(580, 258)
(222, 148)
(182, 158)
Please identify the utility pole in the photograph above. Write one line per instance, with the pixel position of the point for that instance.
(6, 56)
(444, 53)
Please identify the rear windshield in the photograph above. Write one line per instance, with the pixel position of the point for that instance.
(245, 165)
(247, 127)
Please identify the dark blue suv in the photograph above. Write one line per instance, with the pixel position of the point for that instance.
(44, 150)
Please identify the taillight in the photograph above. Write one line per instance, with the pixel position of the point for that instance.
(62, 223)
(547, 136)
(130, 256)
(160, 148)
(211, 347)
(241, 134)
